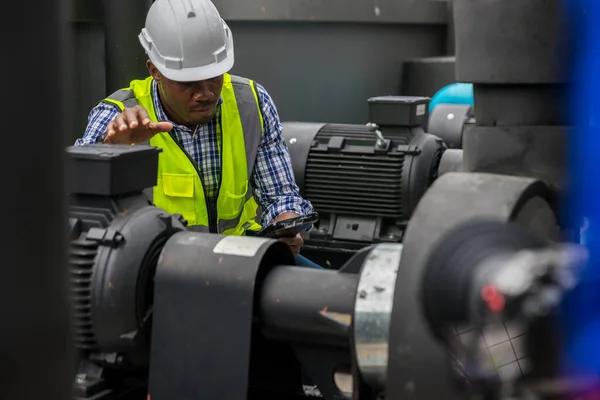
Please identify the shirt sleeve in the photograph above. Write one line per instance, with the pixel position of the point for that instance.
(98, 120)
(274, 185)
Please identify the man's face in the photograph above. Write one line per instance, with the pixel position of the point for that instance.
(188, 103)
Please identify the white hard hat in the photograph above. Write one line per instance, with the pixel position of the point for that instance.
(187, 40)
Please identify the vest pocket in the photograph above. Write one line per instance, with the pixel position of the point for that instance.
(231, 204)
(179, 195)
(178, 185)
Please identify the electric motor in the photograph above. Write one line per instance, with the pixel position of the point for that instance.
(364, 180)
(112, 267)
(115, 240)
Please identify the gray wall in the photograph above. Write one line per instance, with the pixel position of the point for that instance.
(320, 60)
(325, 71)
(89, 71)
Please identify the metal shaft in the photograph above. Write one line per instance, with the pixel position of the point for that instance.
(303, 304)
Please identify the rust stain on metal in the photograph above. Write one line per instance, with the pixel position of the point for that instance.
(339, 318)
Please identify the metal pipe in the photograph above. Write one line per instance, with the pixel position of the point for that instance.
(35, 345)
(308, 305)
(125, 58)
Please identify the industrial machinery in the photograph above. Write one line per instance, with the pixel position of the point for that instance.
(491, 293)
(143, 292)
(465, 307)
(513, 161)
(178, 314)
(115, 239)
(448, 122)
(364, 180)
(450, 110)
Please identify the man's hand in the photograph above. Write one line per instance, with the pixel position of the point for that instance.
(296, 242)
(133, 126)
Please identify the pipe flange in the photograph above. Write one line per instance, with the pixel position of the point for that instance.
(372, 312)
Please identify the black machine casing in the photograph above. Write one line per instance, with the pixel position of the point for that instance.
(115, 239)
(164, 313)
(363, 180)
(449, 121)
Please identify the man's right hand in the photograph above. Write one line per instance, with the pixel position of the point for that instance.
(133, 126)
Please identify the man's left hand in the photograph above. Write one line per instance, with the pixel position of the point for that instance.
(296, 242)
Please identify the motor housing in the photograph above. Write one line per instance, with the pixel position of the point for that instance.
(364, 180)
(115, 240)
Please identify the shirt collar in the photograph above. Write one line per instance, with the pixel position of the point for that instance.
(160, 112)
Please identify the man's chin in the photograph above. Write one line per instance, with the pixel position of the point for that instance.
(202, 117)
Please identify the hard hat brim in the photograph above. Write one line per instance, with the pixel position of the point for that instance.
(198, 73)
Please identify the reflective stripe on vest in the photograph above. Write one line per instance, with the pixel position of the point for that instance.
(250, 119)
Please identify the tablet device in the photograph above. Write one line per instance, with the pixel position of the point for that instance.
(290, 227)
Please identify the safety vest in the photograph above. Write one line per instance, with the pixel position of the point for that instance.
(179, 188)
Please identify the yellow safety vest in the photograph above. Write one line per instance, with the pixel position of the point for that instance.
(179, 188)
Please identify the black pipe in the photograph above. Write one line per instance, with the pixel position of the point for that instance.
(307, 305)
(35, 345)
(125, 58)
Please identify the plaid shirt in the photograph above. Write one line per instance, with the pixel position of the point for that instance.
(275, 188)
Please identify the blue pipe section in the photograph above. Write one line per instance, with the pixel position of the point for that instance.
(456, 93)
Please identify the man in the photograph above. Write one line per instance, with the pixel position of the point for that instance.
(223, 151)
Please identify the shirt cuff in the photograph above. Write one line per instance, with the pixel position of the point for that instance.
(295, 205)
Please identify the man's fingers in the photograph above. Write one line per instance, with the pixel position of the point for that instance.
(121, 123)
(295, 250)
(111, 128)
(292, 244)
(133, 125)
(149, 130)
(162, 126)
(142, 115)
(295, 243)
(131, 116)
(117, 131)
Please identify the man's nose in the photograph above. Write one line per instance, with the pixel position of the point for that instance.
(201, 91)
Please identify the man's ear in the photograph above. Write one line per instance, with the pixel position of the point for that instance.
(153, 71)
